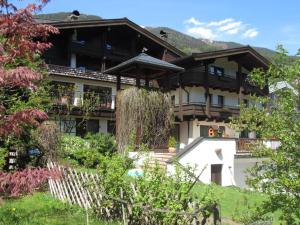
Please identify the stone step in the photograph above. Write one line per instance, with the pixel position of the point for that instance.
(160, 159)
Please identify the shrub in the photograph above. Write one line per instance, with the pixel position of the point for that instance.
(172, 142)
(3, 155)
(87, 151)
(150, 193)
(23, 182)
(103, 143)
(47, 138)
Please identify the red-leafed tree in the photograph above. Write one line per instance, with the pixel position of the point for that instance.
(22, 41)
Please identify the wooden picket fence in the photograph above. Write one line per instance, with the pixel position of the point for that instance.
(83, 189)
(72, 186)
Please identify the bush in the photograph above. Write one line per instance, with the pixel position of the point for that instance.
(47, 138)
(23, 182)
(87, 151)
(150, 193)
(103, 143)
(3, 155)
(172, 142)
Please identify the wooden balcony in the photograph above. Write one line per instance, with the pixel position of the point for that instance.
(98, 51)
(223, 83)
(79, 103)
(245, 145)
(198, 110)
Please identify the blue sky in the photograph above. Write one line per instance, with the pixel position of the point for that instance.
(264, 23)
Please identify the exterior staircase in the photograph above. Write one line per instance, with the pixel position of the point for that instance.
(161, 158)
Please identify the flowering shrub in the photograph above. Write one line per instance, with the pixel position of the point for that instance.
(18, 183)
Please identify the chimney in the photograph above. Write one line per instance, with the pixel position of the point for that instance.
(74, 15)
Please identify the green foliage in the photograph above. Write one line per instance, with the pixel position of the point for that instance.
(151, 122)
(3, 155)
(278, 174)
(155, 190)
(172, 142)
(47, 139)
(41, 208)
(87, 151)
(103, 143)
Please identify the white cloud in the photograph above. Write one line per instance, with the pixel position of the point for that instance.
(220, 22)
(219, 28)
(250, 33)
(230, 26)
(233, 31)
(193, 21)
(201, 32)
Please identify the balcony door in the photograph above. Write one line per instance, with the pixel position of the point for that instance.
(216, 174)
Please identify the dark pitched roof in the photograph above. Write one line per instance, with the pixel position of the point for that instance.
(115, 22)
(144, 60)
(225, 53)
(86, 74)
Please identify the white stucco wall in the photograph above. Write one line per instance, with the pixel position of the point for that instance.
(204, 155)
(241, 165)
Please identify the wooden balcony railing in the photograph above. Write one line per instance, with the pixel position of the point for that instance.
(245, 145)
(199, 109)
(96, 101)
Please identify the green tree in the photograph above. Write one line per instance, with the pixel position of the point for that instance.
(279, 174)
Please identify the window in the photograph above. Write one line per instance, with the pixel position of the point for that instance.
(204, 131)
(173, 100)
(244, 134)
(221, 131)
(220, 100)
(111, 127)
(214, 70)
(86, 126)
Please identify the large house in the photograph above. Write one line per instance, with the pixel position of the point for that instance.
(104, 56)
(81, 53)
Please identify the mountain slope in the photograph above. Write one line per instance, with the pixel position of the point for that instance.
(189, 44)
(63, 16)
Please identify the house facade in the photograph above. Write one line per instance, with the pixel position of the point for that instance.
(211, 90)
(81, 52)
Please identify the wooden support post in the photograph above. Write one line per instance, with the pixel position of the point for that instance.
(240, 89)
(146, 82)
(103, 65)
(118, 83)
(138, 80)
(180, 103)
(207, 94)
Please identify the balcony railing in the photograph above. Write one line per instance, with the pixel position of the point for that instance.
(96, 101)
(199, 109)
(245, 145)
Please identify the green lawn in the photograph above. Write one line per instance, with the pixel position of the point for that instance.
(235, 202)
(42, 209)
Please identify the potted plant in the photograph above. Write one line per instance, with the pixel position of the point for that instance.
(172, 144)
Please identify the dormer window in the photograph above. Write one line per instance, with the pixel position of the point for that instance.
(215, 70)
